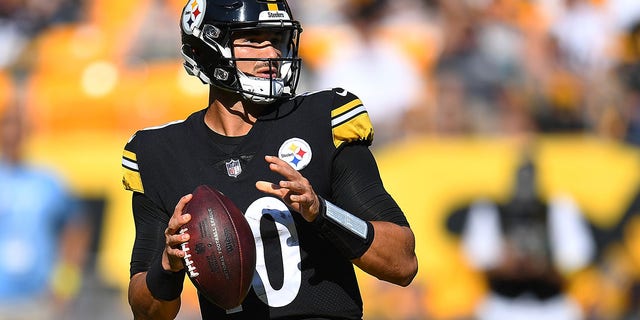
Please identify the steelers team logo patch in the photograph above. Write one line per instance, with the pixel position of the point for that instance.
(295, 152)
(193, 14)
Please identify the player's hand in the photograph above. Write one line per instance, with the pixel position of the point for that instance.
(172, 257)
(295, 190)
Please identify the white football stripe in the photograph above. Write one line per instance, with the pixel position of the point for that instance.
(129, 164)
(346, 116)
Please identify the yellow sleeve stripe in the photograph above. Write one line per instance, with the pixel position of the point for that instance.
(337, 112)
(129, 155)
(351, 123)
(130, 175)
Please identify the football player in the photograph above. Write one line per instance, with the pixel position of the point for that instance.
(298, 166)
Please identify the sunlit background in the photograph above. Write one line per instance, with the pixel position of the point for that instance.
(459, 91)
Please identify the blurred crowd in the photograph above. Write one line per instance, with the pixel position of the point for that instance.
(437, 67)
(84, 74)
(484, 67)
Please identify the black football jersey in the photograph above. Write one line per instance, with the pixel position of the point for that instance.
(298, 275)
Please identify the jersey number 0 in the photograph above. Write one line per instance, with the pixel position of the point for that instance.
(289, 247)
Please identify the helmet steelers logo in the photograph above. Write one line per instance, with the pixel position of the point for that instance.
(295, 152)
(193, 14)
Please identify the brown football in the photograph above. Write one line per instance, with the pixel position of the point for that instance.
(221, 253)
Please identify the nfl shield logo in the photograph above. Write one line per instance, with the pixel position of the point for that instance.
(233, 168)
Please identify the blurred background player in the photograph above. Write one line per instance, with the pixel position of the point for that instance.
(527, 248)
(44, 238)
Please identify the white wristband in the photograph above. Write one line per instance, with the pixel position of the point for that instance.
(347, 220)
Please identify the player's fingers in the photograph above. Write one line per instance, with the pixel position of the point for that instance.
(176, 222)
(293, 179)
(179, 217)
(284, 169)
(270, 188)
(175, 240)
(303, 199)
(299, 186)
(174, 254)
(307, 203)
(294, 193)
(181, 204)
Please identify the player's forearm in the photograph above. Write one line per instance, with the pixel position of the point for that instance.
(391, 256)
(144, 306)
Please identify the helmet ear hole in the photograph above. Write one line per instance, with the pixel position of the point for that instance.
(188, 51)
(191, 64)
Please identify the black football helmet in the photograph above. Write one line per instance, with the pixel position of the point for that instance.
(208, 28)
